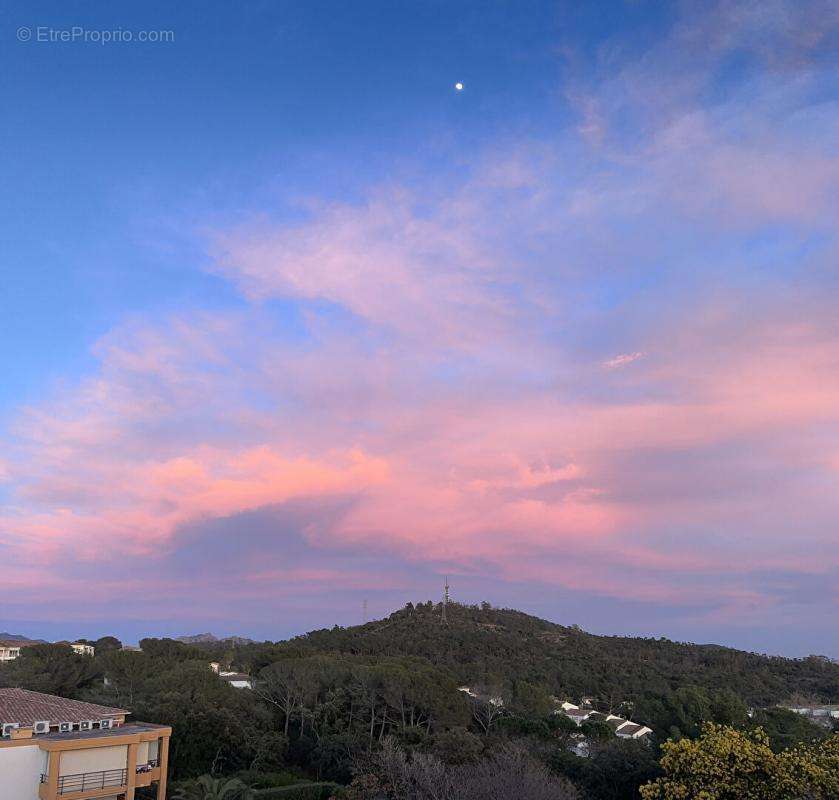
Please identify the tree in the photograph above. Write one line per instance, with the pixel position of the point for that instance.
(106, 644)
(457, 746)
(215, 729)
(616, 770)
(487, 704)
(726, 764)
(209, 788)
(284, 684)
(531, 700)
(597, 731)
(728, 709)
(561, 726)
(269, 749)
(786, 729)
(53, 669)
(510, 773)
(168, 649)
(125, 672)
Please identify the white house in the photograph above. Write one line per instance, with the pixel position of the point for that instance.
(9, 650)
(623, 728)
(631, 730)
(238, 680)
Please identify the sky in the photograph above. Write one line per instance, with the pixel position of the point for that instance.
(288, 322)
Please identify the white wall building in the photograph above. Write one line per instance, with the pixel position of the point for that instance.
(238, 680)
(9, 650)
(52, 748)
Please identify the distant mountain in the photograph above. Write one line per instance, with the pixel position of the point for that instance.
(209, 638)
(17, 637)
(197, 638)
(484, 645)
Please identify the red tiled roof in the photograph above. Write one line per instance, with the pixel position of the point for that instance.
(26, 708)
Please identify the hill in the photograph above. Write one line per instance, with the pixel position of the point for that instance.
(212, 639)
(484, 645)
(17, 637)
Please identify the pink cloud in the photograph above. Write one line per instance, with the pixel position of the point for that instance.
(476, 412)
(419, 273)
(521, 486)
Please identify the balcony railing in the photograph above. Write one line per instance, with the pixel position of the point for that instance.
(85, 781)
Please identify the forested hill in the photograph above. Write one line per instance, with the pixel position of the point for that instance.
(485, 646)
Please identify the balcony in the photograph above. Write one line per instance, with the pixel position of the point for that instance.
(95, 784)
(90, 781)
(147, 773)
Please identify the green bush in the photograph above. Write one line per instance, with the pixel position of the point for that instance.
(302, 791)
(269, 780)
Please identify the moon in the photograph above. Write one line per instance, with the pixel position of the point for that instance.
(459, 86)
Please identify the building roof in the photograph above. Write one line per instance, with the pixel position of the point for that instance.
(598, 716)
(27, 708)
(578, 716)
(104, 733)
(629, 729)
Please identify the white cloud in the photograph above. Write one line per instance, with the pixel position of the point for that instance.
(622, 360)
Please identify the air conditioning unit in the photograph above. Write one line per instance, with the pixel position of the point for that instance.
(86, 725)
(65, 727)
(106, 723)
(8, 727)
(42, 726)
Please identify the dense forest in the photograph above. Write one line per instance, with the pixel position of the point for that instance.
(369, 706)
(485, 645)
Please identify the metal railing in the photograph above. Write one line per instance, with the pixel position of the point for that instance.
(85, 781)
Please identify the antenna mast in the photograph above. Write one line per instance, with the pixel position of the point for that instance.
(364, 610)
(445, 599)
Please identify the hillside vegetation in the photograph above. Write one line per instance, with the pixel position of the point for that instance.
(377, 706)
(485, 646)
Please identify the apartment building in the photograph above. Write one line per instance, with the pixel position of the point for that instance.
(52, 748)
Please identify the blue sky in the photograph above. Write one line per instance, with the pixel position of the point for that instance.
(114, 155)
(565, 334)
